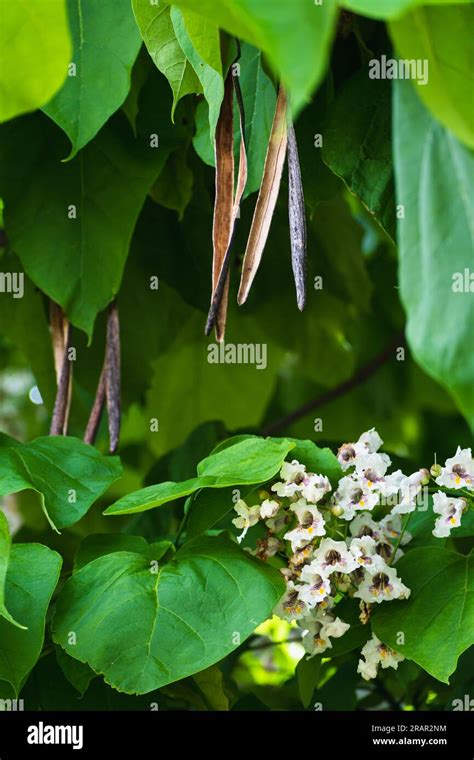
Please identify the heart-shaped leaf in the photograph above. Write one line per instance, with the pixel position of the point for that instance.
(69, 474)
(143, 628)
(437, 621)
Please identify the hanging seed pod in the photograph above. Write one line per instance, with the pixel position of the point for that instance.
(226, 208)
(112, 377)
(59, 420)
(297, 219)
(60, 335)
(96, 412)
(267, 198)
(223, 204)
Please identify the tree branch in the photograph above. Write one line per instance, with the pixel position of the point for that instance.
(358, 378)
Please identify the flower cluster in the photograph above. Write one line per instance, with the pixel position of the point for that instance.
(334, 546)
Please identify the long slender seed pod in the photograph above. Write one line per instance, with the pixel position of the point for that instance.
(96, 411)
(61, 405)
(112, 376)
(267, 198)
(221, 286)
(58, 326)
(223, 204)
(297, 219)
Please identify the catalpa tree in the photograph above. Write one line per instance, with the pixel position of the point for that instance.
(236, 355)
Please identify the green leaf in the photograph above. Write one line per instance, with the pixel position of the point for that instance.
(5, 546)
(174, 187)
(108, 180)
(253, 460)
(127, 619)
(210, 684)
(32, 576)
(190, 377)
(435, 180)
(77, 673)
(24, 321)
(295, 36)
(357, 144)
(307, 676)
(100, 544)
(69, 474)
(388, 9)
(200, 42)
(438, 619)
(443, 38)
(316, 459)
(159, 36)
(106, 43)
(35, 49)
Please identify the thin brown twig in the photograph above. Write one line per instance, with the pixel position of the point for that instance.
(358, 378)
(96, 411)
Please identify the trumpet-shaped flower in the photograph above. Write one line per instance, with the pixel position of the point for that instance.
(375, 653)
(449, 511)
(458, 471)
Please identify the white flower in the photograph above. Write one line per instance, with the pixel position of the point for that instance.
(371, 469)
(353, 495)
(310, 525)
(315, 587)
(364, 551)
(407, 488)
(382, 586)
(375, 654)
(314, 487)
(292, 472)
(291, 607)
(318, 629)
(392, 527)
(333, 557)
(458, 471)
(450, 511)
(248, 516)
(364, 525)
(368, 443)
(269, 508)
(371, 440)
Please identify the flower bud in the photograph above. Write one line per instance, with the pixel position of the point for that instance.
(263, 495)
(425, 476)
(436, 470)
(337, 510)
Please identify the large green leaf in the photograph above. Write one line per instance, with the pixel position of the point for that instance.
(435, 182)
(5, 546)
(159, 36)
(259, 97)
(106, 43)
(35, 49)
(185, 379)
(69, 474)
(295, 36)
(78, 261)
(437, 621)
(357, 144)
(200, 42)
(25, 322)
(388, 9)
(253, 460)
(443, 38)
(32, 576)
(129, 621)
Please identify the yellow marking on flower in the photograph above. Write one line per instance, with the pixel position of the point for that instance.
(369, 483)
(457, 480)
(361, 502)
(310, 529)
(452, 520)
